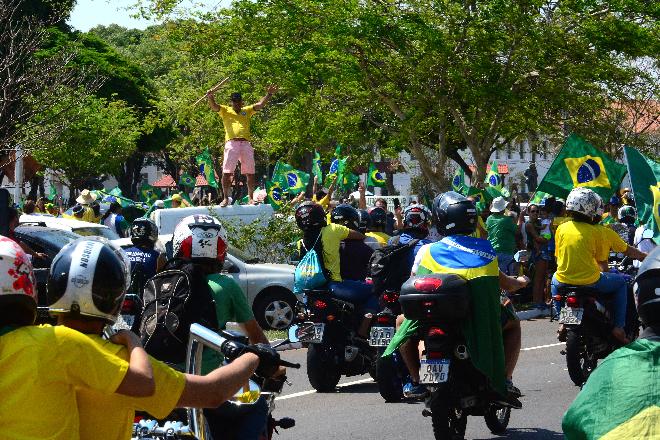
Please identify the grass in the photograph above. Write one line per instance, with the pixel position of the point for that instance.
(275, 334)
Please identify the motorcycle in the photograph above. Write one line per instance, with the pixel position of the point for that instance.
(329, 326)
(587, 319)
(440, 303)
(192, 425)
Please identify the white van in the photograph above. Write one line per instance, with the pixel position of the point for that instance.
(167, 219)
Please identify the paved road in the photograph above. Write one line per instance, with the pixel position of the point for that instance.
(356, 411)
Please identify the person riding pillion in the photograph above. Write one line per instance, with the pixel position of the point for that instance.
(354, 255)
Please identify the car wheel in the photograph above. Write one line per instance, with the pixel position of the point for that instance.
(274, 309)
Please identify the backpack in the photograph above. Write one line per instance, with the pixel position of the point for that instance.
(388, 266)
(173, 300)
(309, 273)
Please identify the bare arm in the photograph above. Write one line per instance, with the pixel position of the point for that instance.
(332, 188)
(160, 263)
(511, 284)
(635, 253)
(139, 379)
(214, 106)
(315, 186)
(254, 332)
(270, 91)
(219, 385)
(362, 203)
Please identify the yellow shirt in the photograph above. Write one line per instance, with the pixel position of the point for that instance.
(480, 232)
(577, 250)
(331, 237)
(236, 125)
(610, 240)
(88, 216)
(324, 202)
(40, 366)
(110, 416)
(381, 237)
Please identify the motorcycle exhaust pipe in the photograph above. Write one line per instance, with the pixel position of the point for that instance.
(461, 352)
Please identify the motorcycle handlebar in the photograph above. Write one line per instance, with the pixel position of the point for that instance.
(289, 364)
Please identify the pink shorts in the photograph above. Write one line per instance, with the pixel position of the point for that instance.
(238, 151)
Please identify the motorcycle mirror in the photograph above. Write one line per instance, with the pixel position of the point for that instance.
(247, 395)
(521, 256)
(648, 234)
(293, 334)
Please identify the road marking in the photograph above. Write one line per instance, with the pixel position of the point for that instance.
(305, 393)
(541, 346)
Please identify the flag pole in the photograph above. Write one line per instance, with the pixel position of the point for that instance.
(211, 90)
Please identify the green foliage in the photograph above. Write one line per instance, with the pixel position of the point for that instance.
(98, 140)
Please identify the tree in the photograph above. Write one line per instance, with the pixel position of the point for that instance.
(96, 142)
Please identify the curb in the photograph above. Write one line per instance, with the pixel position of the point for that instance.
(531, 314)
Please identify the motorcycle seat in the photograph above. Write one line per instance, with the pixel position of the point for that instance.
(323, 291)
(346, 294)
(579, 290)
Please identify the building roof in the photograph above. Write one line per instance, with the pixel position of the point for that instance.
(200, 180)
(165, 182)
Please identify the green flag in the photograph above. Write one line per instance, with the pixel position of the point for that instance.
(375, 177)
(187, 180)
(539, 196)
(274, 194)
(580, 164)
(52, 193)
(458, 182)
(644, 175)
(337, 167)
(289, 178)
(116, 191)
(149, 194)
(205, 164)
(493, 178)
(348, 181)
(316, 167)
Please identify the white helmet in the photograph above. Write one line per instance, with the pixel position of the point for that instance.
(585, 202)
(88, 277)
(200, 237)
(17, 285)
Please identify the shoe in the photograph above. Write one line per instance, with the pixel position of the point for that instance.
(509, 401)
(561, 334)
(414, 391)
(512, 389)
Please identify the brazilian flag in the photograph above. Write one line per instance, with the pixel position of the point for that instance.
(316, 167)
(620, 400)
(337, 167)
(205, 164)
(580, 164)
(645, 179)
(187, 180)
(493, 178)
(458, 181)
(275, 194)
(375, 177)
(654, 220)
(289, 178)
(475, 260)
(348, 181)
(149, 194)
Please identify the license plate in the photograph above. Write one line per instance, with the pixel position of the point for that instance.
(570, 315)
(381, 336)
(434, 371)
(309, 332)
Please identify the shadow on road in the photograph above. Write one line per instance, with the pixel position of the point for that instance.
(529, 434)
(359, 388)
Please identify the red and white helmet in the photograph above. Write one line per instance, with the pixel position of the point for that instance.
(200, 237)
(17, 284)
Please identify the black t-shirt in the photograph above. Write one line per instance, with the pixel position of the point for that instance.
(354, 259)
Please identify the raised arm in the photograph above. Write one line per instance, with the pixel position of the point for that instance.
(270, 91)
(362, 203)
(210, 95)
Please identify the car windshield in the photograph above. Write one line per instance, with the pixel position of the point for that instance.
(56, 238)
(91, 231)
(243, 256)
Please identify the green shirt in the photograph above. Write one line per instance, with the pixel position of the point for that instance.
(230, 306)
(502, 233)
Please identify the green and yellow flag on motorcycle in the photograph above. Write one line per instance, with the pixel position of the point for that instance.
(475, 260)
(620, 399)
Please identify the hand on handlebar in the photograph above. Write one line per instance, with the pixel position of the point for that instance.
(269, 359)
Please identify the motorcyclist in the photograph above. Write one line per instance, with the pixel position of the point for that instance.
(474, 259)
(580, 245)
(41, 366)
(353, 254)
(202, 240)
(81, 307)
(145, 260)
(416, 221)
(620, 398)
(626, 225)
(365, 225)
(378, 225)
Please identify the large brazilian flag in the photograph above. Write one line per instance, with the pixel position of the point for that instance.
(475, 260)
(620, 399)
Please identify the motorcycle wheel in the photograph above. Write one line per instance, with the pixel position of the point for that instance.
(389, 383)
(448, 422)
(322, 371)
(497, 418)
(578, 361)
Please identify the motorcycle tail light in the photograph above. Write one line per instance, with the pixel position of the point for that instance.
(320, 304)
(558, 297)
(368, 280)
(427, 284)
(572, 301)
(137, 419)
(330, 318)
(391, 297)
(428, 303)
(436, 331)
(434, 355)
(127, 305)
(383, 319)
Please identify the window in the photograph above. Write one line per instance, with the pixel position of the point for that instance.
(145, 178)
(497, 154)
(522, 149)
(509, 151)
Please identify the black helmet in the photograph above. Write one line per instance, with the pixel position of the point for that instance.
(454, 214)
(346, 215)
(88, 277)
(416, 217)
(647, 290)
(144, 232)
(365, 220)
(378, 217)
(310, 215)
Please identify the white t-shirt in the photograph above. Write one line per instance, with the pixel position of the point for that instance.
(645, 245)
